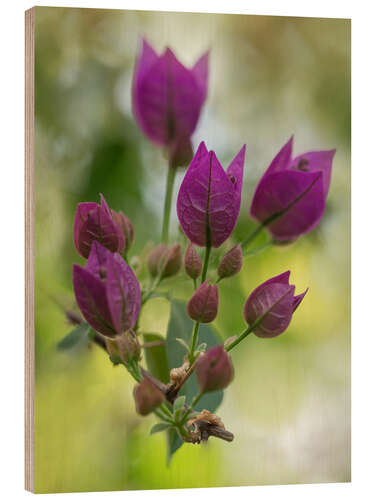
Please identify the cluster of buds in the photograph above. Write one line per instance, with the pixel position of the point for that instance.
(289, 201)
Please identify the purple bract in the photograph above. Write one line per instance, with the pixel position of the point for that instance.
(209, 199)
(167, 100)
(214, 369)
(204, 303)
(107, 292)
(291, 196)
(271, 305)
(94, 222)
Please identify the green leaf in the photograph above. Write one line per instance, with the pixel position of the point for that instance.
(179, 403)
(180, 326)
(202, 347)
(174, 442)
(77, 338)
(156, 357)
(159, 427)
(116, 360)
(184, 344)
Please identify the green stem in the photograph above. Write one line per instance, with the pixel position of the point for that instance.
(195, 401)
(258, 249)
(163, 417)
(167, 203)
(244, 334)
(206, 260)
(253, 235)
(153, 287)
(133, 369)
(193, 342)
(166, 412)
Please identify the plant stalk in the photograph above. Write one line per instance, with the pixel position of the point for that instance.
(167, 203)
(193, 341)
(206, 260)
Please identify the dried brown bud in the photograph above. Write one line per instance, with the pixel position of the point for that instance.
(206, 424)
(176, 375)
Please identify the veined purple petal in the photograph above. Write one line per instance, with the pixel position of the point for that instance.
(235, 174)
(204, 303)
(99, 226)
(282, 159)
(167, 97)
(91, 298)
(104, 205)
(282, 278)
(200, 71)
(272, 306)
(83, 209)
(316, 161)
(297, 198)
(298, 299)
(97, 260)
(147, 58)
(123, 293)
(208, 202)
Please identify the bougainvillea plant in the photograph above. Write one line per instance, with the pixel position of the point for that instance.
(181, 379)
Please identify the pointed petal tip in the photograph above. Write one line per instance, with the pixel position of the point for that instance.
(202, 145)
(284, 277)
(298, 299)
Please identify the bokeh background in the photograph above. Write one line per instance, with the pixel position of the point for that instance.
(289, 405)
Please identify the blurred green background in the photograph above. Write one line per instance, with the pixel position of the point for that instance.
(289, 405)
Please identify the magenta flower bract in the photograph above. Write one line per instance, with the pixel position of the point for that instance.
(167, 99)
(209, 199)
(94, 222)
(292, 193)
(204, 303)
(107, 292)
(271, 306)
(214, 369)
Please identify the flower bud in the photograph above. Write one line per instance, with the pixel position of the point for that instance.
(210, 208)
(126, 227)
(94, 222)
(171, 261)
(231, 263)
(291, 195)
(270, 307)
(147, 397)
(204, 304)
(167, 100)
(193, 263)
(214, 369)
(125, 346)
(107, 292)
(155, 259)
